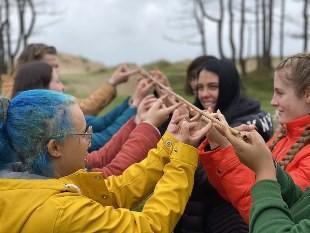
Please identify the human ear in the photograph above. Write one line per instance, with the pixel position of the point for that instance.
(54, 148)
(307, 95)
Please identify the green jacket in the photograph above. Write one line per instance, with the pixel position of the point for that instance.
(86, 202)
(279, 207)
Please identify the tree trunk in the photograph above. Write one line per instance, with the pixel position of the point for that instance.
(258, 36)
(282, 21)
(198, 15)
(10, 58)
(305, 15)
(2, 54)
(220, 29)
(267, 33)
(231, 32)
(242, 26)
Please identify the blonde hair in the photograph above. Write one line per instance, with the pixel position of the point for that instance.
(296, 70)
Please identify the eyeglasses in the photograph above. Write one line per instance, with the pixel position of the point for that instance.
(87, 135)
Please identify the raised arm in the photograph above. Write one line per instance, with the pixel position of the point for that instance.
(101, 97)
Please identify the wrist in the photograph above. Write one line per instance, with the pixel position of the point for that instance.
(112, 82)
(134, 103)
(267, 173)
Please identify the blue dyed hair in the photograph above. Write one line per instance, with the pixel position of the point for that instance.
(33, 118)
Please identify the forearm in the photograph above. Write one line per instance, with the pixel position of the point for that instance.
(101, 122)
(101, 138)
(269, 213)
(143, 138)
(140, 179)
(100, 98)
(103, 156)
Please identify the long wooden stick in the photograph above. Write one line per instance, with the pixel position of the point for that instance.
(180, 98)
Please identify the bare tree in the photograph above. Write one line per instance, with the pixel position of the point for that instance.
(267, 25)
(306, 22)
(257, 27)
(11, 41)
(231, 31)
(241, 35)
(2, 51)
(198, 9)
(219, 21)
(282, 23)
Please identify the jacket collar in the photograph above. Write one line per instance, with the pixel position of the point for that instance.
(89, 184)
(297, 126)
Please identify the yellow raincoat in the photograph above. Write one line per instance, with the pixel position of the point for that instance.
(86, 202)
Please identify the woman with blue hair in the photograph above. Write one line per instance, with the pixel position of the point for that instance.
(40, 75)
(49, 133)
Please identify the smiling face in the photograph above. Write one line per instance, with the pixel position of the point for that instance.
(288, 104)
(208, 89)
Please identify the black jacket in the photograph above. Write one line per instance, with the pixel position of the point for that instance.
(206, 210)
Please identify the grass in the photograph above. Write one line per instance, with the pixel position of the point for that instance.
(258, 84)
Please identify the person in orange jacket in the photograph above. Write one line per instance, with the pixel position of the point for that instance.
(289, 145)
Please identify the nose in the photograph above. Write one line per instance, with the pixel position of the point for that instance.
(62, 86)
(205, 93)
(274, 101)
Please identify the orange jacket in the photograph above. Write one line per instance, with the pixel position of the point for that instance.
(233, 180)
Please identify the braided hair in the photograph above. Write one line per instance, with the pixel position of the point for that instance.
(296, 70)
(297, 146)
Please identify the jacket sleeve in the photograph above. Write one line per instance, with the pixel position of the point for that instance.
(231, 178)
(100, 123)
(289, 190)
(7, 83)
(270, 213)
(143, 138)
(102, 157)
(173, 180)
(99, 139)
(100, 98)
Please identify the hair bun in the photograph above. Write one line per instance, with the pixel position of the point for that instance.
(4, 105)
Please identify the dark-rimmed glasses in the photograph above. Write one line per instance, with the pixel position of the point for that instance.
(87, 135)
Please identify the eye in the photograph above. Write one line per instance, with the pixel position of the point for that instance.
(278, 92)
(213, 87)
(199, 87)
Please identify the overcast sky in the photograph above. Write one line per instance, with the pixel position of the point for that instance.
(120, 31)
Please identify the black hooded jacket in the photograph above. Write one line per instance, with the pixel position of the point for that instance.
(206, 211)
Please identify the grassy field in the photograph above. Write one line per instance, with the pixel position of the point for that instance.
(257, 84)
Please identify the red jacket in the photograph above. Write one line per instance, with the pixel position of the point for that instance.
(233, 180)
(129, 145)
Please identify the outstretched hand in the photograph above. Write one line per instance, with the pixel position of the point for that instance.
(142, 89)
(121, 75)
(253, 152)
(143, 107)
(188, 130)
(159, 112)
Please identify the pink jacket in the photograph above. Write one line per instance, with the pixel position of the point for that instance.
(233, 180)
(129, 145)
